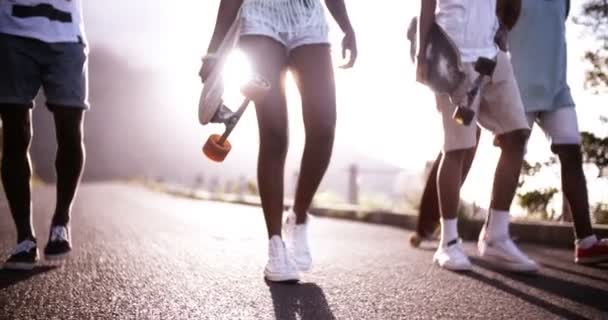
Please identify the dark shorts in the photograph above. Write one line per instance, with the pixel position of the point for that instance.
(59, 68)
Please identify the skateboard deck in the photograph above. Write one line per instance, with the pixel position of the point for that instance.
(213, 89)
(446, 72)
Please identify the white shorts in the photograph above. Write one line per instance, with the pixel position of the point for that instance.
(560, 126)
(293, 23)
(498, 107)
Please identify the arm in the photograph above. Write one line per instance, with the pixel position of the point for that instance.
(508, 12)
(425, 22)
(337, 8)
(225, 17)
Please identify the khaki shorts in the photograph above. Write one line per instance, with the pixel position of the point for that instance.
(498, 107)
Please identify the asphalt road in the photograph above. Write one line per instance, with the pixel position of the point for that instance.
(145, 255)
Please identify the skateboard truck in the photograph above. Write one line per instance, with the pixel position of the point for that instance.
(464, 114)
(217, 146)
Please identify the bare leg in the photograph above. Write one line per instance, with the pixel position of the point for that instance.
(70, 159)
(269, 60)
(428, 217)
(574, 186)
(314, 75)
(507, 171)
(16, 167)
(448, 183)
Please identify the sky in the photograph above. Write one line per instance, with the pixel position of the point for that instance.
(382, 111)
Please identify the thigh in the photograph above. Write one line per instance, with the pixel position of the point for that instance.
(313, 71)
(502, 109)
(268, 59)
(65, 79)
(20, 72)
(455, 136)
(561, 126)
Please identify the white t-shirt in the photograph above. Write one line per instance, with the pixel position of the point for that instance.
(471, 24)
(49, 21)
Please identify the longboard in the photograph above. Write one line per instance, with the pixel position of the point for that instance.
(211, 107)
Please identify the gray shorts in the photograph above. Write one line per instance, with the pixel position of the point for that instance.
(560, 125)
(29, 64)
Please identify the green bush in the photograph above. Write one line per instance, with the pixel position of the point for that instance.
(600, 213)
(536, 201)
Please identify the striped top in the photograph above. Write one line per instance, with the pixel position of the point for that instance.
(285, 15)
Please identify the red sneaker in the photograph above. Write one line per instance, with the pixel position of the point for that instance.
(597, 253)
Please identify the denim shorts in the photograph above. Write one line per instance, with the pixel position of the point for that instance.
(29, 64)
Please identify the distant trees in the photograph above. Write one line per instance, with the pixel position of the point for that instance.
(594, 17)
(595, 149)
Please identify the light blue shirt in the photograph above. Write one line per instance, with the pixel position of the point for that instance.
(539, 55)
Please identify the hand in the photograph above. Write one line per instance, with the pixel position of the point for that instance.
(349, 43)
(422, 70)
(501, 38)
(208, 65)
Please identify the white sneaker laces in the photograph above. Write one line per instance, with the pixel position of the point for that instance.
(24, 246)
(59, 234)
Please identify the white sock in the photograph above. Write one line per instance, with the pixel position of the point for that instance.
(498, 223)
(449, 230)
(586, 242)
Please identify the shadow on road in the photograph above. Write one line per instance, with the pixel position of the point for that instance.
(576, 273)
(576, 292)
(9, 278)
(545, 305)
(304, 301)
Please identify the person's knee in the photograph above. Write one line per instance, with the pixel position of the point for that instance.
(69, 126)
(274, 142)
(17, 144)
(456, 155)
(568, 154)
(323, 133)
(514, 141)
(17, 138)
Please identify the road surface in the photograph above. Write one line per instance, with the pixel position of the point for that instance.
(140, 254)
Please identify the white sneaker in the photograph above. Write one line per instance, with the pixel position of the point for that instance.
(279, 267)
(505, 254)
(296, 238)
(24, 257)
(452, 257)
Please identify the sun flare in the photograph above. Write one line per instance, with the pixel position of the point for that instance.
(237, 71)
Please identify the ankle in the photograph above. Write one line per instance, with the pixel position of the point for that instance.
(26, 233)
(61, 218)
(497, 224)
(449, 231)
(29, 237)
(301, 215)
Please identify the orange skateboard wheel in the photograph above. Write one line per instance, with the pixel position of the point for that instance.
(214, 150)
